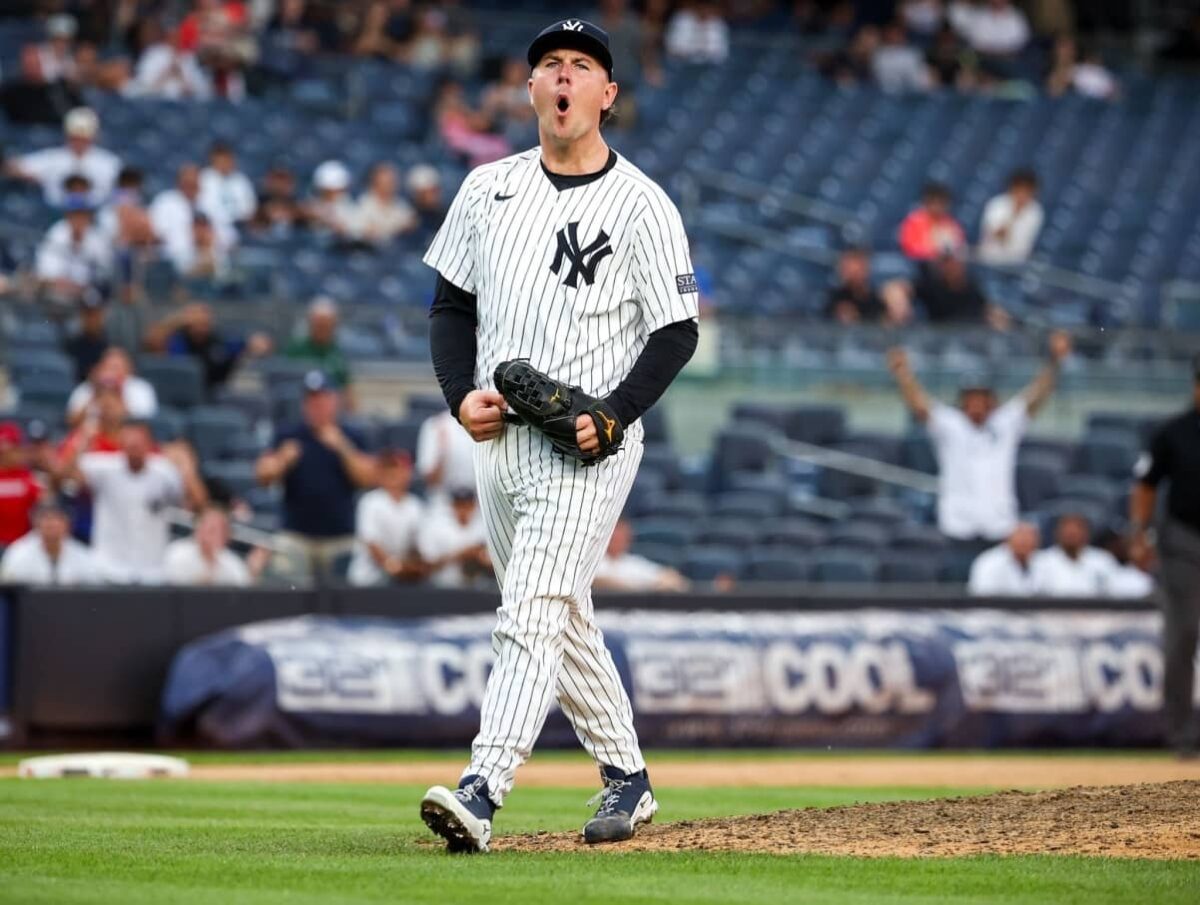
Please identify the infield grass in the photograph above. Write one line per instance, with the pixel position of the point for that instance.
(88, 841)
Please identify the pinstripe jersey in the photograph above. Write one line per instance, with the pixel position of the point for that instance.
(574, 279)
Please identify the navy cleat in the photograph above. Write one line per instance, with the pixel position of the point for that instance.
(625, 802)
(462, 817)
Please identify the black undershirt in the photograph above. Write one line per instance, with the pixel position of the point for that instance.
(560, 182)
(452, 343)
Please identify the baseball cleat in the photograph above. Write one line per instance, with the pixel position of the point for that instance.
(625, 802)
(462, 817)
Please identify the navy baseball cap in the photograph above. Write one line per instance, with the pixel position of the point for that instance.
(572, 34)
(317, 382)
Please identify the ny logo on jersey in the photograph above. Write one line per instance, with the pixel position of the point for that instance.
(583, 260)
(572, 25)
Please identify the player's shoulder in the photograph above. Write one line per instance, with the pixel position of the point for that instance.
(653, 198)
(488, 174)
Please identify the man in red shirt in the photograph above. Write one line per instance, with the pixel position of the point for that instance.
(931, 231)
(19, 490)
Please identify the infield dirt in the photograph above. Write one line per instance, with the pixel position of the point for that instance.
(1158, 821)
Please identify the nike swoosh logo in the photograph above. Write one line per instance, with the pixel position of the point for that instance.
(499, 197)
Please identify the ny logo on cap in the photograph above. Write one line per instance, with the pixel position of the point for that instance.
(572, 25)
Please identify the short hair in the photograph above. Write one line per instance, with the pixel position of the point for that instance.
(935, 191)
(130, 178)
(220, 146)
(139, 424)
(1023, 176)
(76, 183)
(323, 304)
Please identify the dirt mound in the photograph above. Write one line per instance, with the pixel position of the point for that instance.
(1139, 821)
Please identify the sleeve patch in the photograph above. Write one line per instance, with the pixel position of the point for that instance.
(686, 283)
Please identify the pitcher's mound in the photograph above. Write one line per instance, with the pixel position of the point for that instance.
(1140, 821)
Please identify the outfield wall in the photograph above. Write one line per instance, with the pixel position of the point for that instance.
(95, 662)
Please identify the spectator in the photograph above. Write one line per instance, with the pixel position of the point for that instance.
(54, 60)
(1133, 577)
(224, 189)
(74, 253)
(375, 39)
(207, 258)
(131, 491)
(445, 456)
(506, 100)
(931, 231)
(165, 70)
(464, 130)
(855, 300)
(217, 32)
(696, 33)
(1073, 568)
(387, 524)
(116, 368)
(19, 489)
(87, 345)
(1011, 222)
(190, 332)
(1006, 570)
(621, 570)
(319, 345)
(100, 428)
(976, 447)
(321, 464)
(634, 56)
(1091, 78)
(48, 555)
(173, 213)
(293, 34)
(949, 64)
(453, 543)
(922, 17)
(50, 168)
(125, 220)
(897, 65)
(279, 211)
(425, 191)
(441, 39)
(854, 63)
(381, 214)
(995, 28)
(331, 210)
(205, 560)
(950, 295)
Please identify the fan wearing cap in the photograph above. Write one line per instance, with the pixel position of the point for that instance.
(173, 213)
(322, 465)
(331, 209)
(318, 346)
(453, 543)
(1174, 455)
(74, 254)
(50, 167)
(976, 445)
(19, 489)
(387, 523)
(569, 256)
(48, 555)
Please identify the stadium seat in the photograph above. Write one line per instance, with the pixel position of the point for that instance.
(882, 511)
(168, 424)
(654, 423)
(750, 504)
(712, 562)
(1108, 454)
(664, 554)
(178, 381)
(835, 565)
(916, 452)
(728, 532)
(858, 535)
(823, 425)
(1094, 488)
(211, 427)
(26, 366)
(774, 565)
(47, 389)
(1038, 480)
(739, 451)
(907, 568)
(681, 504)
(401, 434)
(237, 478)
(917, 538)
(665, 531)
(795, 533)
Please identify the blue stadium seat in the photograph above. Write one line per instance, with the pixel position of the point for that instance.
(1038, 479)
(916, 452)
(28, 365)
(401, 434)
(1107, 453)
(882, 511)
(750, 504)
(774, 565)
(664, 554)
(168, 424)
(178, 380)
(654, 423)
(917, 538)
(735, 533)
(237, 478)
(907, 568)
(680, 505)
(211, 427)
(48, 389)
(1094, 488)
(835, 565)
(799, 534)
(672, 532)
(859, 535)
(709, 563)
(823, 425)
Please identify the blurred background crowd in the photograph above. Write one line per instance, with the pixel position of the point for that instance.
(216, 369)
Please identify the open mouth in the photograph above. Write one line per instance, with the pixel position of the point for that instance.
(563, 104)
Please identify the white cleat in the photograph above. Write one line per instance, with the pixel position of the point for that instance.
(462, 817)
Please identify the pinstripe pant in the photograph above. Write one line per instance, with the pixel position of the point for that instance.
(549, 521)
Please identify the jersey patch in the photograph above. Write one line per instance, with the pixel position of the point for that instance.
(686, 283)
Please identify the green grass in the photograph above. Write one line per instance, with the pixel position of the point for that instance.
(83, 841)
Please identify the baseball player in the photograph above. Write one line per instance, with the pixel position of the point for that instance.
(564, 279)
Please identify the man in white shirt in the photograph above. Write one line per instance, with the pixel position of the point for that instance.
(224, 188)
(1011, 222)
(74, 253)
(976, 446)
(1006, 570)
(115, 368)
(165, 71)
(996, 29)
(445, 456)
(698, 34)
(131, 491)
(50, 167)
(173, 214)
(48, 555)
(621, 570)
(381, 214)
(1073, 568)
(453, 543)
(386, 526)
(331, 210)
(205, 560)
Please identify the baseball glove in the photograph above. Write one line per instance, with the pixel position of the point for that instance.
(553, 406)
